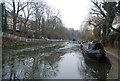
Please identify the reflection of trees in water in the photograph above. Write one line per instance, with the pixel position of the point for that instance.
(99, 70)
(91, 69)
(31, 67)
(41, 69)
(84, 73)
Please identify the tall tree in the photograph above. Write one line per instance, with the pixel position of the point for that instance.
(108, 11)
(16, 7)
(27, 12)
(39, 10)
(95, 22)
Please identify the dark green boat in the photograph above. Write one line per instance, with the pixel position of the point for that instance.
(94, 51)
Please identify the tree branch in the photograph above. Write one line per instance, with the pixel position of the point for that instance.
(115, 29)
(96, 4)
(94, 10)
(22, 7)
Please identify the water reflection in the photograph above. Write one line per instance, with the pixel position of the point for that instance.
(94, 70)
(54, 61)
(38, 64)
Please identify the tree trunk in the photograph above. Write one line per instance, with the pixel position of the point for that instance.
(14, 17)
(14, 25)
(43, 27)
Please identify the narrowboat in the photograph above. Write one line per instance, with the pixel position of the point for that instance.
(94, 51)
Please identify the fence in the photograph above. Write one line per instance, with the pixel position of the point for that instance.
(19, 38)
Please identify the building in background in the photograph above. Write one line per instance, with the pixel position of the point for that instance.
(9, 21)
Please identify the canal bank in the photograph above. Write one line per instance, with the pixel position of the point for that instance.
(62, 60)
(13, 43)
(115, 61)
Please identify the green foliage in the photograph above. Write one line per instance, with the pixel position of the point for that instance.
(30, 34)
(108, 11)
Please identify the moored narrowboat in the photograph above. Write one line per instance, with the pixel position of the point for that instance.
(94, 51)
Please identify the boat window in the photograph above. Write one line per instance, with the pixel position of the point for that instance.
(85, 46)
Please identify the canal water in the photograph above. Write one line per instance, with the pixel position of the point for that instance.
(62, 60)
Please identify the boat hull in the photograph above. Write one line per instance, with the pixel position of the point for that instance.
(94, 57)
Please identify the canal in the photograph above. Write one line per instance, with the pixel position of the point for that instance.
(61, 60)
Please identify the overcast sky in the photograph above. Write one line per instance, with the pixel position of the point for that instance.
(73, 11)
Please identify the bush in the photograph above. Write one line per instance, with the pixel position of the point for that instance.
(30, 34)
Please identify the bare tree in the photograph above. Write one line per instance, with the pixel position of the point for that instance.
(16, 7)
(39, 9)
(28, 11)
(49, 12)
(107, 10)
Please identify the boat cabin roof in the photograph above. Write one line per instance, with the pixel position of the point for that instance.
(93, 46)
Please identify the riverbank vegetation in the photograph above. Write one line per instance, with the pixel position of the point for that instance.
(35, 20)
(8, 43)
(103, 24)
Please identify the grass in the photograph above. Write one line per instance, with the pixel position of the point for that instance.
(12, 43)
